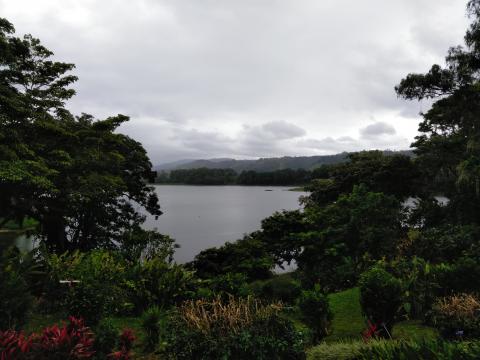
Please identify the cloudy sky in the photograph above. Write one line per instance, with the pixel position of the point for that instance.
(247, 78)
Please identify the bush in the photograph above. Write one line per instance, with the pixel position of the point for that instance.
(151, 325)
(15, 298)
(127, 339)
(419, 350)
(72, 341)
(155, 282)
(100, 291)
(380, 297)
(315, 309)
(106, 338)
(396, 350)
(281, 288)
(229, 284)
(457, 316)
(235, 329)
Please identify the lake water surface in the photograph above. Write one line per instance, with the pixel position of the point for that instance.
(199, 217)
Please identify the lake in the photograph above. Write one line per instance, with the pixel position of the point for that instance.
(199, 217)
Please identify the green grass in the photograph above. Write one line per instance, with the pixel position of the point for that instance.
(345, 338)
(348, 322)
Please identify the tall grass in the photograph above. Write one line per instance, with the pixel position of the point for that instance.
(226, 317)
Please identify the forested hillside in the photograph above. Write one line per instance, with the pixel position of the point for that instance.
(265, 164)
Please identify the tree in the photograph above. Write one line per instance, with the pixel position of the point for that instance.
(449, 147)
(73, 174)
(245, 256)
(345, 237)
(278, 235)
(390, 174)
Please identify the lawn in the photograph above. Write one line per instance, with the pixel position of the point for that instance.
(345, 337)
(348, 322)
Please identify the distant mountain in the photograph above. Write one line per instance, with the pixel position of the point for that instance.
(264, 164)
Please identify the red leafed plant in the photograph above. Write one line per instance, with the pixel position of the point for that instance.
(127, 339)
(72, 341)
(13, 344)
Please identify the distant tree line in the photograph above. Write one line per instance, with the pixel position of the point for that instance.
(205, 176)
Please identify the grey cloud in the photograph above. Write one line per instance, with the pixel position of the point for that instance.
(377, 129)
(190, 72)
(283, 129)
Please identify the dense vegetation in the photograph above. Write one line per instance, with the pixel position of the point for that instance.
(366, 259)
(205, 176)
(282, 177)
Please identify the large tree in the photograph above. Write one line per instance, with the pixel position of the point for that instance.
(74, 174)
(449, 147)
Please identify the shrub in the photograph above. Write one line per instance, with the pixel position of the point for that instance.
(233, 329)
(127, 339)
(72, 341)
(15, 298)
(419, 350)
(380, 297)
(315, 309)
(457, 316)
(426, 349)
(229, 284)
(100, 290)
(106, 338)
(151, 325)
(281, 288)
(155, 282)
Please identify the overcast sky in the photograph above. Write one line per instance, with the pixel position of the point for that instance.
(247, 78)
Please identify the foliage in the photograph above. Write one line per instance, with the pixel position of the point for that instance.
(278, 235)
(127, 339)
(457, 316)
(340, 350)
(138, 244)
(72, 341)
(227, 285)
(347, 236)
(278, 177)
(76, 176)
(316, 312)
(106, 338)
(448, 147)
(199, 176)
(422, 350)
(151, 325)
(155, 282)
(246, 256)
(393, 175)
(424, 282)
(280, 288)
(380, 297)
(108, 284)
(15, 299)
(236, 329)
(445, 243)
(98, 292)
